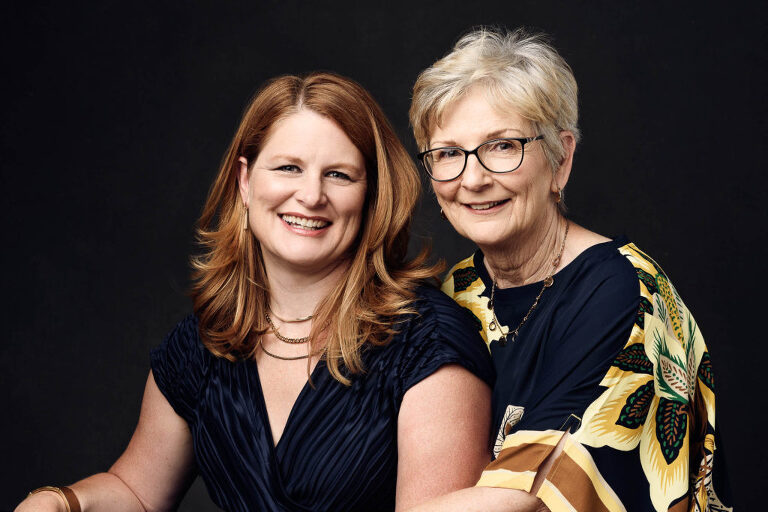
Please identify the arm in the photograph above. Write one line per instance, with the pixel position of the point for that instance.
(151, 475)
(484, 499)
(443, 435)
(496, 499)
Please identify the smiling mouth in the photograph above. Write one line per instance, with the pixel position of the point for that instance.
(304, 223)
(487, 206)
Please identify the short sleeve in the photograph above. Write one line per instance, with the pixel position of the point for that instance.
(442, 333)
(179, 366)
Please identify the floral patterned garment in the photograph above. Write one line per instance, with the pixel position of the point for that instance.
(612, 355)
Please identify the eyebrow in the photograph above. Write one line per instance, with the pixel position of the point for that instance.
(496, 134)
(290, 158)
(348, 166)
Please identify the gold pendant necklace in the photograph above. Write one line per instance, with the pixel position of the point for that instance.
(286, 339)
(548, 281)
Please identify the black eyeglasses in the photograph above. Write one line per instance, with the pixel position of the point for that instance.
(496, 155)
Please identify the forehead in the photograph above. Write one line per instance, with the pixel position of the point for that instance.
(303, 123)
(475, 114)
(306, 133)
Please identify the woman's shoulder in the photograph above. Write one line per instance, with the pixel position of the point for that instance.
(619, 256)
(439, 312)
(184, 337)
(631, 264)
(179, 365)
(605, 263)
(640, 261)
(659, 299)
(437, 333)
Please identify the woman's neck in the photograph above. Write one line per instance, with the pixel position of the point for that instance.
(296, 294)
(528, 257)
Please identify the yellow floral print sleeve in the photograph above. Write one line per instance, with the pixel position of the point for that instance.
(656, 403)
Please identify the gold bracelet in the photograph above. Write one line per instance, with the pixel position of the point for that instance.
(65, 493)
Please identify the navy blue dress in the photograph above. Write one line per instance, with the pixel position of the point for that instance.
(338, 451)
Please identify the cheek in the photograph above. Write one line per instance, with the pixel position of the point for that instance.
(353, 205)
(445, 191)
(269, 193)
(542, 187)
(529, 185)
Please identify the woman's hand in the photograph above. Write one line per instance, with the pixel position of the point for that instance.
(44, 501)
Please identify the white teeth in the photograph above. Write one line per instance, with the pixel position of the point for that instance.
(304, 223)
(485, 206)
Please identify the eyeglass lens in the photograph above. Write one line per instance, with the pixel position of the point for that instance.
(496, 155)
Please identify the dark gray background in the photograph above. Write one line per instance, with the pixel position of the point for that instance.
(116, 115)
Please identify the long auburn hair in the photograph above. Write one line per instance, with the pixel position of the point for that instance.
(230, 289)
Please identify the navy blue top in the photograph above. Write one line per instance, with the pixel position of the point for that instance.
(339, 448)
(612, 354)
(582, 321)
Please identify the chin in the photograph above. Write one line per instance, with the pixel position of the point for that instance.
(482, 240)
(315, 262)
(483, 235)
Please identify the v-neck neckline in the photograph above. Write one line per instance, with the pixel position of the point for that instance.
(266, 422)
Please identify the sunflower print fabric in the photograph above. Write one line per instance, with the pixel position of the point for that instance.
(655, 404)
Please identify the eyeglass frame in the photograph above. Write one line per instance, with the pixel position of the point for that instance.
(521, 140)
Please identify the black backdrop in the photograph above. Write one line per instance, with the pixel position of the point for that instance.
(116, 114)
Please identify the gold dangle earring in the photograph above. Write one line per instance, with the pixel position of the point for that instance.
(244, 162)
(559, 198)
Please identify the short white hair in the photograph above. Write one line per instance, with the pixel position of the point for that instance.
(518, 70)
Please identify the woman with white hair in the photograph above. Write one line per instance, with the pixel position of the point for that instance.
(604, 397)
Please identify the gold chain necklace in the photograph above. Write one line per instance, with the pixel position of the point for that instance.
(286, 358)
(291, 321)
(549, 281)
(293, 341)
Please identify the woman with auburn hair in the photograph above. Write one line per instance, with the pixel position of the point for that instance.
(605, 398)
(318, 371)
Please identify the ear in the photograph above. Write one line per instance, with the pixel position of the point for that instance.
(242, 180)
(563, 172)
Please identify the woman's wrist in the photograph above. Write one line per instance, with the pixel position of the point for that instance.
(64, 496)
(44, 500)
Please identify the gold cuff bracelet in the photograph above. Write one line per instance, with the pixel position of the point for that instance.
(65, 493)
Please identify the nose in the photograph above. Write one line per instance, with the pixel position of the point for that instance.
(475, 177)
(311, 192)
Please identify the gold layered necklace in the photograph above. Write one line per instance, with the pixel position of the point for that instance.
(285, 339)
(548, 281)
(287, 358)
(286, 320)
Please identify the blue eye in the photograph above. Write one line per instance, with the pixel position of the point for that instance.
(508, 146)
(338, 174)
(447, 153)
(288, 168)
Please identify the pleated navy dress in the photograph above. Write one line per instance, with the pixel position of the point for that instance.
(338, 451)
